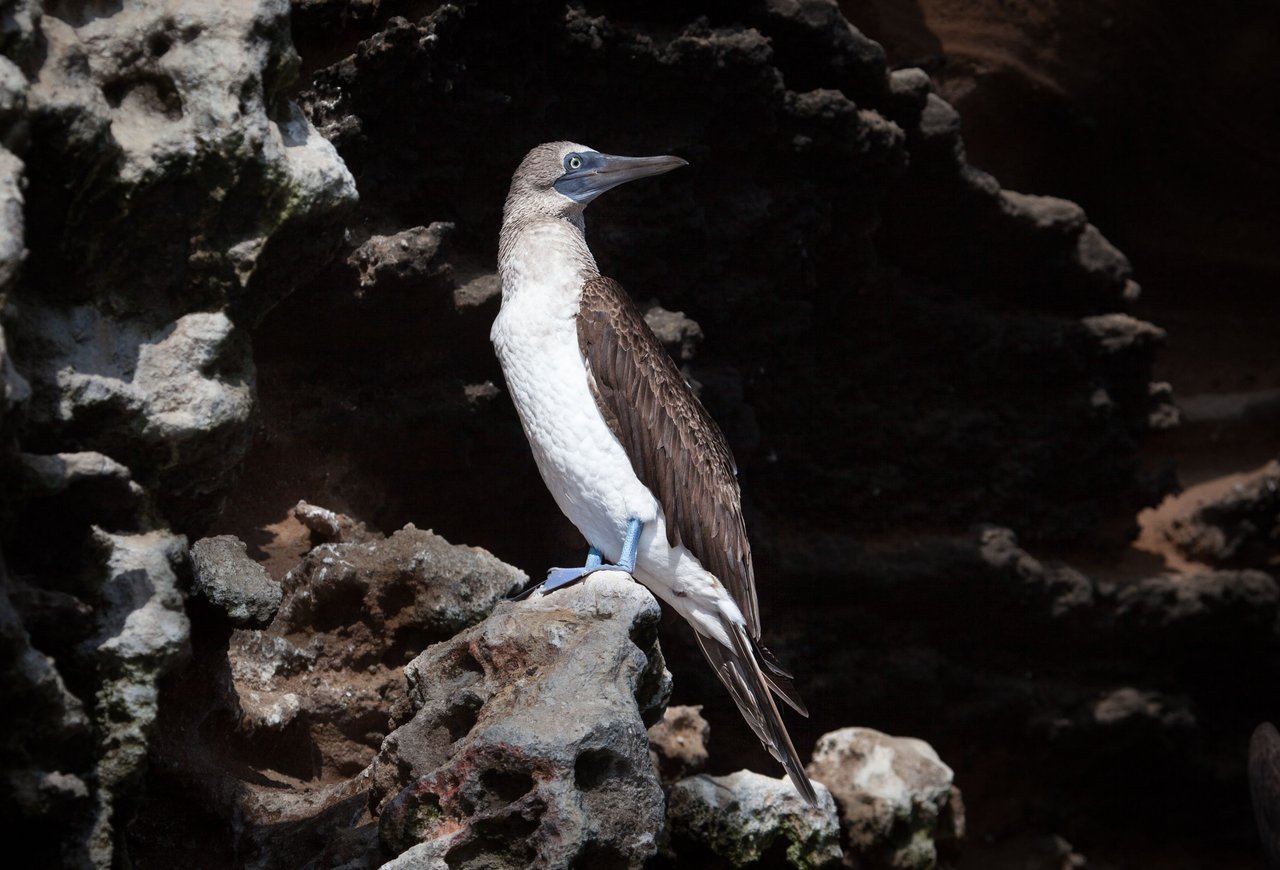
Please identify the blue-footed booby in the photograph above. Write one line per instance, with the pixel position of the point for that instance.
(627, 450)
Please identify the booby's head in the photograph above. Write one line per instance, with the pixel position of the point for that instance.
(559, 179)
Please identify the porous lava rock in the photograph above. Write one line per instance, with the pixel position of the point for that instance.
(523, 739)
(275, 727)
(679, 742)
(158, 193)
(898, 804)
(745, 818)
(225, 576)
(319, 682)
(935, 388)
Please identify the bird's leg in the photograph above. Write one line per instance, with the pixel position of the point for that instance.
(560, 577)
(629, 545)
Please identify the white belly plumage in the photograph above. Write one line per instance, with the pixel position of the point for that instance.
(584, 465)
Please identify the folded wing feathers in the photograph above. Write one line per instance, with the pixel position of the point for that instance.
(738, 670)
(678, 451)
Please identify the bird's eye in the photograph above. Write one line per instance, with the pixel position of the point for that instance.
(573, 161)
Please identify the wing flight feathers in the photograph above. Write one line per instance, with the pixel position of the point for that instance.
(738, 670)
(676, 449)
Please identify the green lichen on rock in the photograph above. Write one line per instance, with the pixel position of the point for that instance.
(742, 816)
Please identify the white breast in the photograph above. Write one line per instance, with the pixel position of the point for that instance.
(535, 336)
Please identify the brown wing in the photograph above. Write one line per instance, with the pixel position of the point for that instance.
(676, 449)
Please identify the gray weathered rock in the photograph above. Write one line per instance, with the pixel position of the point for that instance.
(332, 527)
(225, 576)
(415, 254)
(142, 633)
(1222, 607)
(174, 196)
(14, 388)
(1155, 712)
(524, 742)
(172, 402)
(679, 334)
(679, 743)
(742, 816)
(1264, 788)
(897, 800)
(413, 580)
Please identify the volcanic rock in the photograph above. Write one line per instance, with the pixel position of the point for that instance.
(679, 743)
(744, 816)
(898, 805)
(523, 742)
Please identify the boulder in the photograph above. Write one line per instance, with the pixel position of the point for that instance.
(898, 804)
(1235, 528)
(315, 688)
(225, 576)
(679, 742)
(745, 816)
(523, 740)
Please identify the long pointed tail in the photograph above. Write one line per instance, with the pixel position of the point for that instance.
(740, 672)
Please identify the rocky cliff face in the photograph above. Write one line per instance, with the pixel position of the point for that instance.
(247, 257)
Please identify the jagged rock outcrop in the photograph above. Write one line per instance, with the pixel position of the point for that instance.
(225, 577)
(158, 194)
(523, 740)
(275, 727)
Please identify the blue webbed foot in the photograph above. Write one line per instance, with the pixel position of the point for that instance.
(558, 578)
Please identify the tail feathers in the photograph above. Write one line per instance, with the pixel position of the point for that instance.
(738, 669)
(779, 679)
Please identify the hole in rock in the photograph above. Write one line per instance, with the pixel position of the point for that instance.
(594, 767)
(159, 43)
(337, 605)
(461, 717)
(644, 634)
(467, 662)
(151, 93)
(396, 596)
(507, 785)
(500, 842)
(599, 856)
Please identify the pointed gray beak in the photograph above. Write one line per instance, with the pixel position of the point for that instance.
(601, 172)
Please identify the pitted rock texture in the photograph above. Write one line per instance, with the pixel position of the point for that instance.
(898, 349)
(679, 742)
(158, 194)
(141, 633)
(745, 816)
(165, 172)
(319, 683)
(268, 734)
(523, 741)
(225, 576)
(897, 800)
